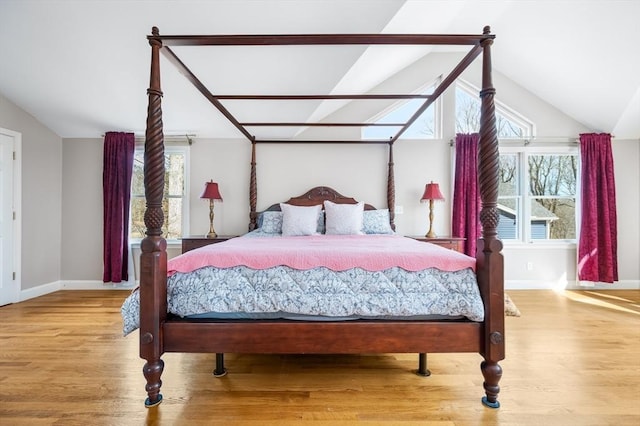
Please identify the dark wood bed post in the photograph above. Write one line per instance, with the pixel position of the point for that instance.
(490, 264)
(253, 189)
(153, 259)
(391, 190)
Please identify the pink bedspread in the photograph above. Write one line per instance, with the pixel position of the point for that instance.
(336, 252)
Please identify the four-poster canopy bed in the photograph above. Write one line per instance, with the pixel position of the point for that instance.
(162, 332)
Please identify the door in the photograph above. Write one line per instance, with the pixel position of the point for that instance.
(9, 285)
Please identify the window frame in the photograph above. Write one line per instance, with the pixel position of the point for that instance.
(170, 149)
(524, 226)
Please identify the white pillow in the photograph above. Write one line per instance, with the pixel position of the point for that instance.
(343, 219)
(299, 220)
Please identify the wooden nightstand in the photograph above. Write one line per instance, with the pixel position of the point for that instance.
(194, 242)
(453, 243)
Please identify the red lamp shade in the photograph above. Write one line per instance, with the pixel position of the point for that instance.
(211, 191)
(432, 192)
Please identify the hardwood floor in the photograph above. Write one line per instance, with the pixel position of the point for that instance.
(573, 358)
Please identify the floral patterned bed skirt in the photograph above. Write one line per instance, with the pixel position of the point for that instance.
(319, 293)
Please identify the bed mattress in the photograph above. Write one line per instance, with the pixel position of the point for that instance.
(326, 292)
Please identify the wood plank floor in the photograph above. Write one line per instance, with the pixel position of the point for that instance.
(573, 358)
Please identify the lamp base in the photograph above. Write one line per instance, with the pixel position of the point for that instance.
(430, 233)
(212, 232)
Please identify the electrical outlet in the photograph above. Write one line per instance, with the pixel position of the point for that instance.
(529, 266)
(399, 210)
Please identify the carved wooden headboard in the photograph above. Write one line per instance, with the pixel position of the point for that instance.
(317, 196)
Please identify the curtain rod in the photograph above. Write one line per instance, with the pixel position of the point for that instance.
(533, 139)
(549, 139)
(529, 140)
(140, 136)
(166, 134)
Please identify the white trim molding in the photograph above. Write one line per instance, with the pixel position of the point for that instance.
(569, 285)
(41, 290)
(52, 287)
(44, 289)
(95, 285)
(618, 285)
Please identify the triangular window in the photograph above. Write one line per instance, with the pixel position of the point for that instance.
(509, 123)
(423, 128)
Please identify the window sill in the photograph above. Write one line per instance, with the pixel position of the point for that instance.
(170, 243)
(545, 245)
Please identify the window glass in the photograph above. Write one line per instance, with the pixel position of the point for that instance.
(173, 205)
(552, 189)
(548, 210)
(422, 128)
(509, 197)
(468, 116)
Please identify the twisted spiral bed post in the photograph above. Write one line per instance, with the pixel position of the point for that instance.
(153, 257)
(490, 266)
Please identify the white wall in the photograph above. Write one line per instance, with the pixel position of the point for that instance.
(358, 171)
(285, 171)
(626, 157)
(228, 163)
(82, 218)
(41, 196)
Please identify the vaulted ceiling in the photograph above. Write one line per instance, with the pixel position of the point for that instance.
(82, 67)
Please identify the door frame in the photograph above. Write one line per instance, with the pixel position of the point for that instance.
(17, 208)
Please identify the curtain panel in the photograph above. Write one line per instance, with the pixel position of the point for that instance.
(465, 222)
(117, 170)
(598, 243)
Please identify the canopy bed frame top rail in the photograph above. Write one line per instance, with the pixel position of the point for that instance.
(319, 39)
(159, 334)
(476, 41)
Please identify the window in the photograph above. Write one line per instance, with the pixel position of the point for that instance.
(423, 128)
(537, 194)
(174, 204)
(538, 186)
(509, 123)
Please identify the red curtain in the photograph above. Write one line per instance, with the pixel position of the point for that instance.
(465, 220)
(598, 246)
(119, 149)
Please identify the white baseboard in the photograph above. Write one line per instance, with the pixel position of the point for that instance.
(95, 285)
(618, 285)
(529, 285)
(569, 285)
(43, 289)
(40, 290)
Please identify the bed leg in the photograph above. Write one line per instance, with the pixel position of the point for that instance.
(220, 371)
(492, 373)
(422, 366)
(152, 372)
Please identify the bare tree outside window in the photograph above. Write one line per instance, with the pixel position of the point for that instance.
(552, 184)
(550, 178)
(468, 117)
(173, 196)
